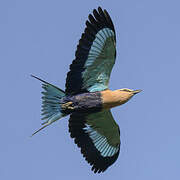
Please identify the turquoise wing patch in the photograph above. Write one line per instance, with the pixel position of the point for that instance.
(100, 61)
(95, 56)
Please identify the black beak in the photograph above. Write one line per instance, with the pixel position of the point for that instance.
(137, 91)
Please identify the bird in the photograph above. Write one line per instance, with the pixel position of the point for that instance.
(87, 97)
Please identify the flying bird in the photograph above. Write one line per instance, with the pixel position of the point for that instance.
(87, 97)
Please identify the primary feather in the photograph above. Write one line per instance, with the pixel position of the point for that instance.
(95, 56)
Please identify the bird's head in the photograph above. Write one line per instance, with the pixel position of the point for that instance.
(123, 95)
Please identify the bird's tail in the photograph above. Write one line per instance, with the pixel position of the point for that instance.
(51, 104)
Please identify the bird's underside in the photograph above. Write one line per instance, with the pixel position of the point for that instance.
(92, 102)
(82, 103)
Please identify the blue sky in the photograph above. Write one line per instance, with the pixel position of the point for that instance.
(40, 37)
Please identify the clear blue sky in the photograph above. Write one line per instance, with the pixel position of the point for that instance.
(40, 37)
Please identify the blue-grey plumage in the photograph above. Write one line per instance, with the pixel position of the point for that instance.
(87, 98)
(82, 103)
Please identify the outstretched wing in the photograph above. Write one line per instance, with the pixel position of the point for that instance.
(94, 57)
(98, 136)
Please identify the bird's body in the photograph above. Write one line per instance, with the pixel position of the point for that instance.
(82, 103)
(87, 98)
(94, 101)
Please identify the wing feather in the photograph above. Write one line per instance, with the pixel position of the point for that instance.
(98, 136)
(95, 55)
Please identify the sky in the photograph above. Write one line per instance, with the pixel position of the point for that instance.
(39, 37)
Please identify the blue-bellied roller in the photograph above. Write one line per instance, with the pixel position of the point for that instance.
(87, 97)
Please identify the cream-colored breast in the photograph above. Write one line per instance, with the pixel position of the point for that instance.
(114, 98)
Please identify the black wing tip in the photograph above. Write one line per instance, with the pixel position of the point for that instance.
(99, 8)
(104, 13)
(94, 167)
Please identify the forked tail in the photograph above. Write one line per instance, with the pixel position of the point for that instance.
(51, 104)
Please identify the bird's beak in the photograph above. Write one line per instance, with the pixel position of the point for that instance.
(137, 91)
